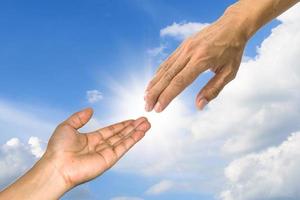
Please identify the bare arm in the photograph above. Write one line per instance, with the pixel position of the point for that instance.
(256, 13)
(219, 48)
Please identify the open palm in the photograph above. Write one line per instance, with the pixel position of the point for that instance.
(82, 157)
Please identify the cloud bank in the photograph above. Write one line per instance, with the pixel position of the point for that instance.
(17, 158)
(271, 174)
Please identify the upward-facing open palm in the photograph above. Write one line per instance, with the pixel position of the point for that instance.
(81, 157)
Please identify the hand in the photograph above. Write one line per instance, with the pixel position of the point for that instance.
(218, 47)
(82, 157)
(72, 158)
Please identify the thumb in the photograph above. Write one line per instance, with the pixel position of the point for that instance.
(79, 119)
(212, 89)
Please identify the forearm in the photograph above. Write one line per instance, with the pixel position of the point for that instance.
(251, 15)
(42, 181)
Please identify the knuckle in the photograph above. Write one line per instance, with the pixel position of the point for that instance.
(151, 96)
(179, 81)
(62, 126)
(151, 83)
(229, 77)
(233, 75)
(204, 51)
(214, 92)
(168, 76)
(164, 66)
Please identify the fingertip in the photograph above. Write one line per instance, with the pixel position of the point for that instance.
(148, 107)
(158, 107)
(149, 102)
(86, 113)
(89, 110)
(201, 102)
(148, 126)
(80, 118)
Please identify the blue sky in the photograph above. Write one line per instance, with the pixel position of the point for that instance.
(53, 52)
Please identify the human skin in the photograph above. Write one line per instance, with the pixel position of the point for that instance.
(73, 158)
(218, 47)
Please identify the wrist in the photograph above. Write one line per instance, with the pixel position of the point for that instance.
(51, 168)
(46, 176)
(244, 19)
(251, 15)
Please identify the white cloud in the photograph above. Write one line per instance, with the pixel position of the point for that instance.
(35, 147)
(94, 96)
(161, 187)
(126, 198)
(271, 174)
(255, 111)
(182, 30)
(17, 157)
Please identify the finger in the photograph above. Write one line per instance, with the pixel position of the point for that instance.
(126, 131)
(178, 84)
(212, 89)
(107, 132)
(123, 146)
(114, 140)
(163, 68)
(79, 119)
(166, 79)
(174, 56)
(112, 153)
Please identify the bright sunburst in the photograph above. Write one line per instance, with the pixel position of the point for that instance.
(169, 132)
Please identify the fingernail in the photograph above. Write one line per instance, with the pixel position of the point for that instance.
(148, 107)
(158, 107)
(202, 103)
